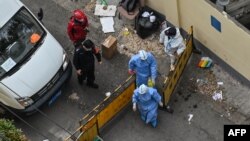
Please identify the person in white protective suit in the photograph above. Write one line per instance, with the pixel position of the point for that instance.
(173, 44)
(147, 99)
(145, 66)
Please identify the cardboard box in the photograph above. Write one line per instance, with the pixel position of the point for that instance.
(109, 47)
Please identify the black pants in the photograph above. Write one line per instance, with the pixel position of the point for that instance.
(89, 74)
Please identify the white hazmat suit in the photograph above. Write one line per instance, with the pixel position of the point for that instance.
(172, 44)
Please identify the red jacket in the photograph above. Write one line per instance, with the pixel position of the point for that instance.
(77, 32)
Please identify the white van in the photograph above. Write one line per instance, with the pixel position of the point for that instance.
(33, 65)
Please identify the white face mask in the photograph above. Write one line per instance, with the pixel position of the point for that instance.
(87, 49)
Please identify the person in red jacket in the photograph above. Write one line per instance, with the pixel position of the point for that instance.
(78, 27)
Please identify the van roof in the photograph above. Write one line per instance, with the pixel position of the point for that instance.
(7, 9)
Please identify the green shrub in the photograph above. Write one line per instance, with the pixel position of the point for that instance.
(8, 132)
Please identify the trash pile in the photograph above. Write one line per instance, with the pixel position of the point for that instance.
(90, 6)
(208, 86)
(130, 43)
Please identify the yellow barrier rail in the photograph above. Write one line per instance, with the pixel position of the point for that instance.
(122, 95)
(104, 112)
(173, 76)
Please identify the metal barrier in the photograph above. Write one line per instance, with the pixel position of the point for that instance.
(122, 95)
(104, 112)
(173, 77)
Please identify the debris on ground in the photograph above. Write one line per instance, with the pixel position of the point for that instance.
(170, 110)
(228, 111)
(220, 83)
(107, 24)
(82, 105)
(217, 95)
(192, 87)
(103, 10)
(208, 84)
(231, 109)
(131, 43)
(90, 6)
(190, 116)
(108, 94)
(125, 31)
(74, 97)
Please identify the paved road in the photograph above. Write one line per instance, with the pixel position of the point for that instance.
(207, 123)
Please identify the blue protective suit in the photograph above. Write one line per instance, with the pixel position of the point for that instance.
(147, 104)
(143, 68)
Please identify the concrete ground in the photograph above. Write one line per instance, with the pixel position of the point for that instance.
(190, 97)
(209, 116)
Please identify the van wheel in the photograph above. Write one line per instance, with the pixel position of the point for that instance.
(2, 111)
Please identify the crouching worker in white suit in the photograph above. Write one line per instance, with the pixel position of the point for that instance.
(173, 44)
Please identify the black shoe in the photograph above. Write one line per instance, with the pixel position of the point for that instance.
(80, 82)
(95, 86)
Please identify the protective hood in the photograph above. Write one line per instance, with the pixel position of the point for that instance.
(38, 70)
(143, 54)
(178, 34)
(143, 89)
(177, 39)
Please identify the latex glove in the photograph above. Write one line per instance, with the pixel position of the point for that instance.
(176, 55)
(131, 71)
(134, 107)
(172, 67)
(160, 104)
(79, 72)
(86, 29)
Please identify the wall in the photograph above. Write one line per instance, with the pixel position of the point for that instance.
(167, 8)
(232, 44)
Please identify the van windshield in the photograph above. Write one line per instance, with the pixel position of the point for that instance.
(18, 39)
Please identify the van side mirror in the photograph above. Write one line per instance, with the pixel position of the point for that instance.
(40, 14)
